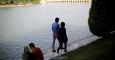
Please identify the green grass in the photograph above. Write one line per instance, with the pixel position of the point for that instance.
(16, 2)
(35, 1)
(102, 49)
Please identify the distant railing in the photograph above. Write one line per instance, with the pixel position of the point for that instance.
(67, 1)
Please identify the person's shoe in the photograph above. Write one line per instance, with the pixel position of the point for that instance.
(57, 51)
(53, 50)
(65, 51)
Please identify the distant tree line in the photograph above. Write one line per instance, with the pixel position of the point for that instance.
(102, 17)
(4, 2)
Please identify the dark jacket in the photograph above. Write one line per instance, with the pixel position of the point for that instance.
(62, 35)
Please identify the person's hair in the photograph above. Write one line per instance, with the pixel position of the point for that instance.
(62, 24)
(31, 45)
(26, 49)
(56, 19)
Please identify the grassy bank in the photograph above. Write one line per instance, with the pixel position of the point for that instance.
(102, 49)
(18, 2)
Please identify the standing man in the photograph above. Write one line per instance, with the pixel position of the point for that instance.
(55, 29)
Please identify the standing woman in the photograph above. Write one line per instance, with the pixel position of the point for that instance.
(62, 37)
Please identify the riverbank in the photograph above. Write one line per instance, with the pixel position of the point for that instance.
(22, 25)
(101, 49)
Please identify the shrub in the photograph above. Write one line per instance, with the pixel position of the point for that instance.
(101, 17)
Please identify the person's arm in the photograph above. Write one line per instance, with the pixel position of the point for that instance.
(66, 34)
(58, 27)
(42, 56)
(52, 27)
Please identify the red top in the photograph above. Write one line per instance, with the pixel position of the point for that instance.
(38, 53)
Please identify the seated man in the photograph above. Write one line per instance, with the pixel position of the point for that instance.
(36, 51)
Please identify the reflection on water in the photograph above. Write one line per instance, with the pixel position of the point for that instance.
(22, 25)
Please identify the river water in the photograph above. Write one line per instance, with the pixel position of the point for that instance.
(21, 25)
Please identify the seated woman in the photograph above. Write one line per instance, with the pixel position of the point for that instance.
(27, 55)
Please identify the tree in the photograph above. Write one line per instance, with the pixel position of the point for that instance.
(101, 17)
(4, 2)
(35, 1)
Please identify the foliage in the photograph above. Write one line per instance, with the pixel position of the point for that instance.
(35, 1)
(101, 17)
(5, 2)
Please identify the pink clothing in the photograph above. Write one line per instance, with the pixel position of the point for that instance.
(55, 36)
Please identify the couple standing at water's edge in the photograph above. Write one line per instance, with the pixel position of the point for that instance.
(32, 52)
(59, 33)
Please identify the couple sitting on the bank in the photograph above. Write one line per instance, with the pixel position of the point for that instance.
(32, 53)
(60, 34)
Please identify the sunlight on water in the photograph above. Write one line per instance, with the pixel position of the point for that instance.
(15, 22)
(21, 25)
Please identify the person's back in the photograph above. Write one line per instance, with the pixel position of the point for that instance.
(62, 33)
(38, 53)
(55, 27)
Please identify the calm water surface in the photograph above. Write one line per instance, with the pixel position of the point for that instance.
(21, 25)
